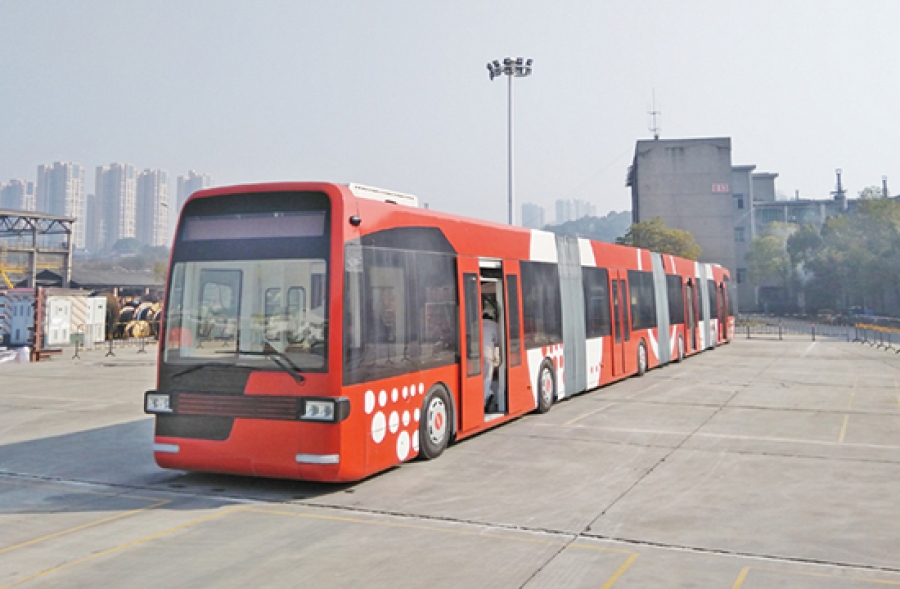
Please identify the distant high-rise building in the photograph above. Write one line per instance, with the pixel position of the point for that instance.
(564, 211)
(188, 185)
(153, 208)
(572, 210)
(583, 209)
(18, 195)
(532, 216)
(96, 224)
(116, 191)
(60, 191)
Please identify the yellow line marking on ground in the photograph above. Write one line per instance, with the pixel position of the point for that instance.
(740, 580)
(588, 414)
(621, 570)
(849, 405)
(844, 429)
(124, 546)
(84, 526)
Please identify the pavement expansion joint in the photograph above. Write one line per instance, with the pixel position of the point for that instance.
(678, 446)
(740, 554)
(435, 518)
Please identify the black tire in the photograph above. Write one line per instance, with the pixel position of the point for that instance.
(435, 425)
(680, 348)
(642, 359)
(546, 387)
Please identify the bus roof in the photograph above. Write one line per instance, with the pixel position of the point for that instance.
(360, 191)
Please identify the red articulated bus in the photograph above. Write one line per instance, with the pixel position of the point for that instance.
(327, 332)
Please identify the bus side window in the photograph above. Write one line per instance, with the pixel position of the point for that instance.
(473, 325)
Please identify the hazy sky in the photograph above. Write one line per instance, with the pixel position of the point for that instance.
(396, 94)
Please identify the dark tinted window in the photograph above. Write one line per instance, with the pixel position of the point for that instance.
(713, 305)
(675, 294)
(473, 324)
(643, 301)
(399, 312)
(540, 304)
(512, 307)
(596, 301)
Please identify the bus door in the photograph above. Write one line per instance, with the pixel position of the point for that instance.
(470, 403)
(691, 323)
(494, 339)
(723, 312)
(621, 333)
(515, 379)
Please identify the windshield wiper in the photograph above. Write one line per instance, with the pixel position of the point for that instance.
(195, 367)
(281, 359)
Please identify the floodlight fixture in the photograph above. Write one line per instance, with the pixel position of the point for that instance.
(512, 68)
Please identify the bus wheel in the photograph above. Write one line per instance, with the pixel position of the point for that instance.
(546, 386)
(680, 349)
(642, 359)
(434, 428)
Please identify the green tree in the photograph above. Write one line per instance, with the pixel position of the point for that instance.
(803, 244)
(127, 245)
(655, 236)
(768, 261)
(608, 228)
(870, 193)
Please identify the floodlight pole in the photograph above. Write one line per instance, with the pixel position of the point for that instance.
(511, 68)
(509, 150)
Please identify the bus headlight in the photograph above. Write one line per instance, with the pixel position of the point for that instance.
(318, 410)
(325, 410)
(155, 402)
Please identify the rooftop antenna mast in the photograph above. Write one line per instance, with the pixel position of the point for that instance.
(654, 124)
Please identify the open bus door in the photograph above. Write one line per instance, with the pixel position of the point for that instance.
(470, 404)
(690, 313)
(723, 312)
(621, 332)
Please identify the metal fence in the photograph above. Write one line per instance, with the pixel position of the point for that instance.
(880, 334)
(766, 327)
(120, 336)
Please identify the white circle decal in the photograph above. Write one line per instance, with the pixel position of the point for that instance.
(403, 446)
(416, 415)
(394, 422)
(370, 402)
(415, 440)
(405, 392)
(412, 390)
(378, 430)
(405, 418)
(394, 395)
(421, 389)
(382, 399)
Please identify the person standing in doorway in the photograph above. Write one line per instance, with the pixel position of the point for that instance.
(490, 331)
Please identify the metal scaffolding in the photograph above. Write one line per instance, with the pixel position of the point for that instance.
(37, 236)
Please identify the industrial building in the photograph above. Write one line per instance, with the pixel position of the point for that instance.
(692, 185)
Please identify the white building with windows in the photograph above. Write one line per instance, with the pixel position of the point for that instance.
(532, 216)
(60, 191)
(18, 195)
(152, 224)
(116, 203)
(191, 183)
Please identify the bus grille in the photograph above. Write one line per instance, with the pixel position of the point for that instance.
(239, 406)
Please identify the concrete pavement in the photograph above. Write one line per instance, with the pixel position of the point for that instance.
(760, 464)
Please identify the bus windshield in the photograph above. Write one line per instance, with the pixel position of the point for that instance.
(237, 311)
